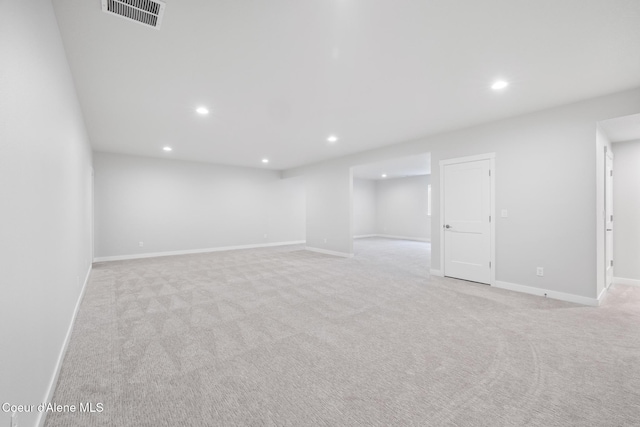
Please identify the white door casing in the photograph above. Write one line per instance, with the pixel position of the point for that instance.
(467, 231)
(608, 197)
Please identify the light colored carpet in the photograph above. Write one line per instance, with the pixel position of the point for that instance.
(287, 337)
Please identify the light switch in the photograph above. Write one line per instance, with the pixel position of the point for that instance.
(504, 213)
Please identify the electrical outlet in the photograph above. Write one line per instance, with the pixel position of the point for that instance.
(540, 271)
(504, 213)
(141, 244)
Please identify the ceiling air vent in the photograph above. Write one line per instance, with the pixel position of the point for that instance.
(146, 12)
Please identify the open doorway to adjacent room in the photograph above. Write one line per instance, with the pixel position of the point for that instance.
(391, 207)
(618, 201)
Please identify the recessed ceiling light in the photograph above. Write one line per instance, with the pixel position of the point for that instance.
(265, 160)
(167, 149)
(500, 84)
(384, 175)
(202, 110)
(332, 138)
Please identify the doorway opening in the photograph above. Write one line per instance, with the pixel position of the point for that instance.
(617, 202)
(391, 207)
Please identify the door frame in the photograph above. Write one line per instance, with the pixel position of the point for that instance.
(608, 155)
(492, 234)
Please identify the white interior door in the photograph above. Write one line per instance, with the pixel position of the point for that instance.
(466, 220)
(608, 195)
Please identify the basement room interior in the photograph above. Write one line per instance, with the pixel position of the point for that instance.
(327, 213)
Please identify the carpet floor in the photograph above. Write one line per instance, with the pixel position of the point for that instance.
(287, 337)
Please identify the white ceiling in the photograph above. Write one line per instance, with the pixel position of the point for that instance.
(395, 168)
(620, 129)
(280, 76)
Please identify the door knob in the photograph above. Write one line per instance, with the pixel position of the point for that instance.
(447, 226)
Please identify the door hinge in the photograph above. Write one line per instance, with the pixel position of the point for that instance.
(489, 264)
(611, 218)
(611, 263)
(489, 218)
(489, 172)
(611, 173)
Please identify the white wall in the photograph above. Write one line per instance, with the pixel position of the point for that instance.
(626, 210)
(329, 209)
(364, 207)
(401, 205)
(45, 193)
(173, 205)
(545, 177)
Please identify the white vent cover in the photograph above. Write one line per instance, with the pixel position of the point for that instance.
(146, 12)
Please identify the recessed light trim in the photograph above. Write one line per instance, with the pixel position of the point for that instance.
(202, 111)
(265, 160)
(499, 84)
(384, 175)
(167, 148)
(332, 139)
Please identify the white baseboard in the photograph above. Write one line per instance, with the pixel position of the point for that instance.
(435, 272)
(603, 295)
(328, 252)
(577, 299)
(194, 251)
(624, 281)
(63, 351)
(392, 236)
